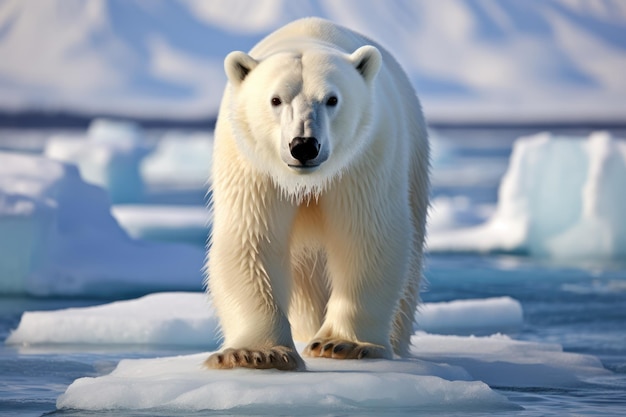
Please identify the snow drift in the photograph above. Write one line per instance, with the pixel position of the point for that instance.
(561, 197)
(57, 237)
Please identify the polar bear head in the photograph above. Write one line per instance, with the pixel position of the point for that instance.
(303, 115)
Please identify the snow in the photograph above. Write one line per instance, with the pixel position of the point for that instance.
(188, 319)
(446, 372)
(109, 156)
(58, 237)
(561, 197)
(469, 61)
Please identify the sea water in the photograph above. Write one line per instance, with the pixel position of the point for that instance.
(581, 307)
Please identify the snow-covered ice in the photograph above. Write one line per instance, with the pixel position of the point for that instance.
(188, 319)
(451, 373)
(181, 384)
(109, 156)
(178, 319)
(165, 222)
(58, 237)
(501, 361)
(561, 197)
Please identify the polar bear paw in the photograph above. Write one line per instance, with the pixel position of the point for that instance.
(344, 349)
(277, 357)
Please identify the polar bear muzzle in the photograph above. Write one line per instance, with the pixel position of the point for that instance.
(304, 150)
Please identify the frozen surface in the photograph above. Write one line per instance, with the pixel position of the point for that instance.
(451, 373)
(158, 319)
(109, 156)
(189, 319)
(180, 159)
(181, 383)
(503, 362)
(57, 237)
(165, 223)
(561, 197)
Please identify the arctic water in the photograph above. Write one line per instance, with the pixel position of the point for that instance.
(580, 306)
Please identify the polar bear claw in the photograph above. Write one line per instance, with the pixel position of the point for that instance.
(277, 357)
(344, 349)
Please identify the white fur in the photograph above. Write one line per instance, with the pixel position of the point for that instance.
(333, 251)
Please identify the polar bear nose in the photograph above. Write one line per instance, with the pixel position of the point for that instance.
(304, 149)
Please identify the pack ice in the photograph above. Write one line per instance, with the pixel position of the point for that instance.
(447, 373)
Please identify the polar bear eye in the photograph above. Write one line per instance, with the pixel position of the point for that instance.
(276, 101)
(332, 101)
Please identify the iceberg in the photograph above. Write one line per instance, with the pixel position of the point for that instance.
(561, 198)
(179, 160)
(109, 156)
(58, 237)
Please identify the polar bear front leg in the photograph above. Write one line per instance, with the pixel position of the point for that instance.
(249, 278)
(367, 258)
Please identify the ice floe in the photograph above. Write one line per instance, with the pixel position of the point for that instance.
(445, 372)
(182, 384)
(189, 224)
(188, 319)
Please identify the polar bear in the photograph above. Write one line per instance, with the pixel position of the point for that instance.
(320, 187)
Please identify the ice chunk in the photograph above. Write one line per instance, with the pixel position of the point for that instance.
(165, 223)
(181, 384)
(487, 316)
(108, 156)
(561, 197)
(58, 237)
(180, 160)
(189, 319)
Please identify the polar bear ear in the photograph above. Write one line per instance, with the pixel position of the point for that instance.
(238, 65)
(367, 61)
